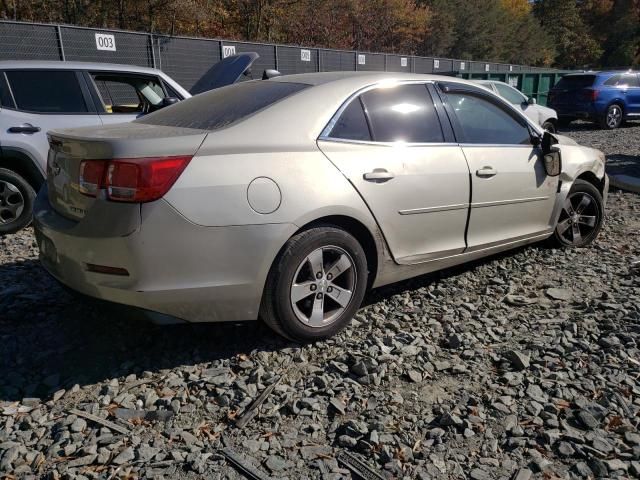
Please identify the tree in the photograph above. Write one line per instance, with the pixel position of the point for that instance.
(572, 38)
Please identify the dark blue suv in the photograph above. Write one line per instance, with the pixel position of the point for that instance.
(607, 98)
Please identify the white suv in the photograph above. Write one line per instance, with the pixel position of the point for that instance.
(37, 96)
(546, 117)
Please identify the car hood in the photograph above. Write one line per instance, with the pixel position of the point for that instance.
(225, 72)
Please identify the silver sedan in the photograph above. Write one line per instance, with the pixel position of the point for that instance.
(287, 198)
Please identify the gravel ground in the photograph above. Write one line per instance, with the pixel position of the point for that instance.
(525, 365)
(622, 146)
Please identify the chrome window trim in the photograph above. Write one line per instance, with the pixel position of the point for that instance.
(388, 144)
(326, 131)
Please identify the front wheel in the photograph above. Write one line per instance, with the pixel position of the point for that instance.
(581, 217)
(16, 202)
(549, 127)
(612, 118)
(316, 284)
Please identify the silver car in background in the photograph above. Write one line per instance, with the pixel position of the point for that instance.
(287, 198)
(546, 117)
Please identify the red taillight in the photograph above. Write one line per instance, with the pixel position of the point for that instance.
(590, 94)
(136, 180)
(91, 176)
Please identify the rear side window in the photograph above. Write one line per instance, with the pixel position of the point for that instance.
(55, 91)
(5, 94)
(352, 124)
(224, 106)
(483, 122)
(613, 81)
(404, 113)
(575, 82)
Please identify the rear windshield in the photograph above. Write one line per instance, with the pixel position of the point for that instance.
(224, 106)
(574, 82)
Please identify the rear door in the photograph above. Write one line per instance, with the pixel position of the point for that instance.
(37, 101)
(390, 144)
(512, 197)
(124, 96)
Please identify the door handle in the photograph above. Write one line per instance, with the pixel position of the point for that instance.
(378, 175)
(24, 128)
(486, 172)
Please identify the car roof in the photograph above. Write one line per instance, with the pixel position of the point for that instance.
(601, 72)
(364, 78)
(60, 65)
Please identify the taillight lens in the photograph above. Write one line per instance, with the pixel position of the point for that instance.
(590, 94)
(135, 180)
(91, 176)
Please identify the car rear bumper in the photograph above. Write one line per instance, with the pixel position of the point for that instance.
(174, 267)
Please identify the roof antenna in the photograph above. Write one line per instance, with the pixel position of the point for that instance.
(270, 73)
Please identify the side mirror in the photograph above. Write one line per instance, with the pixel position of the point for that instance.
(166, 101)
(270, 73)
(531, 101)
(551, 155)
(553, 163)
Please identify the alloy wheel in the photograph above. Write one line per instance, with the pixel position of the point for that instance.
(614, 116)
(579, 218)
(323, 286)
(11, 202)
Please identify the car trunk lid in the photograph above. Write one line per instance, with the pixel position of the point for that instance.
(68, 148)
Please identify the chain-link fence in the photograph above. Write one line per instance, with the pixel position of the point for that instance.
(186, 59)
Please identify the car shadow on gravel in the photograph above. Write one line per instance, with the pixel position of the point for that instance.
(55, 340)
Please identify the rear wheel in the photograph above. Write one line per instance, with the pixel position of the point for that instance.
(16, 202)
(612, 118)
(581, 216)
(316, 284)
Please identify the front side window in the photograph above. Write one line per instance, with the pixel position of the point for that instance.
(40, 91)
(402, 113)
(484, 122)
(352, 124)
(121, 93)
(510, 94)
(223, 106)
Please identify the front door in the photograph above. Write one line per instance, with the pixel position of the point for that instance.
(512, 197)
(389, 143)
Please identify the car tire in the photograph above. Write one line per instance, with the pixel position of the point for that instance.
(549, 126)
(16, 202)
(581, 218)
(613, 117)
(332, 265)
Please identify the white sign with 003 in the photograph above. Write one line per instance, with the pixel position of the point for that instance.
(305, 55)
(228, 50)
(105, 41)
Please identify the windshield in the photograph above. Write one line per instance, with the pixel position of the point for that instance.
(575, 82)
(224, 106)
